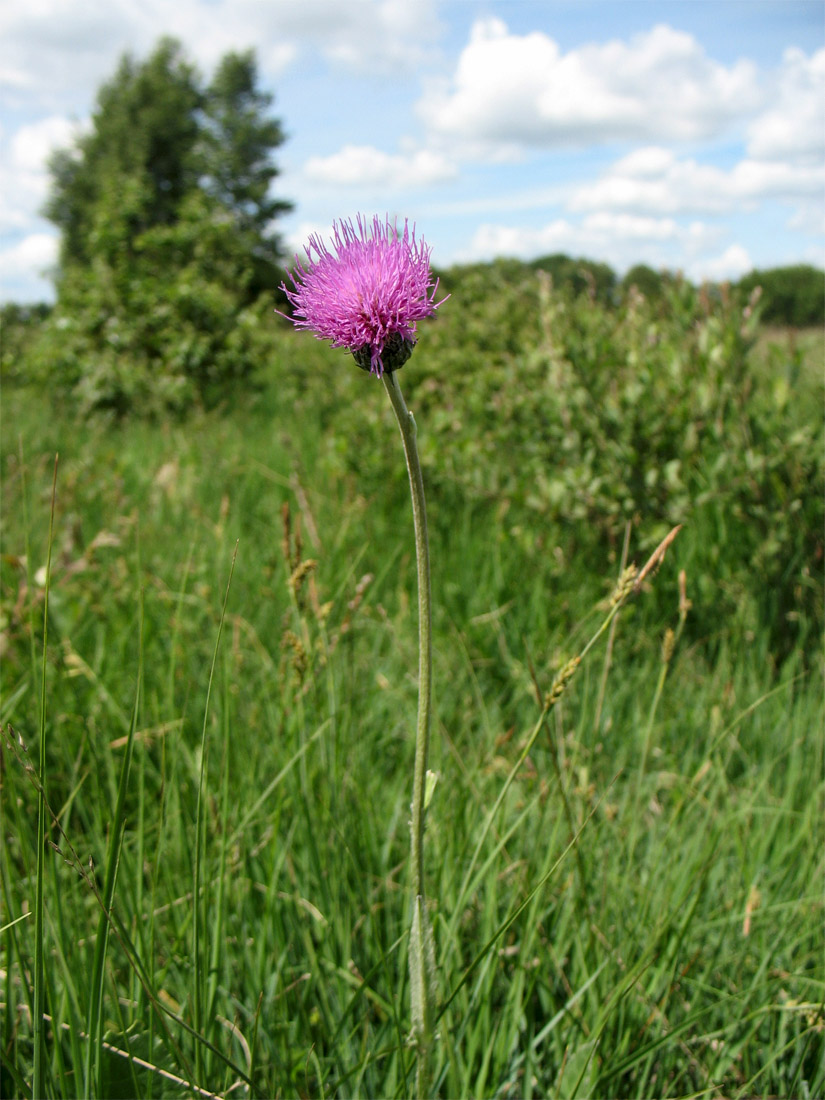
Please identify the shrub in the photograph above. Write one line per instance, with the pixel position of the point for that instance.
(566, 421)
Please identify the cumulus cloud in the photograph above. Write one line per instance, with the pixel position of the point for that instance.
(23, 173)
(731, 264)
(809, 218)
(619, 239)
(369, 36)
(366, 166)
(34, 253)
(378, 36)
(793, 127)
(32, 145)
(511, 91)
(51, 49)
(295, 239)
(590, 236)
(23, 266)
(656, 180)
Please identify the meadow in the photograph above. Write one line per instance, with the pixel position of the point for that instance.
(214, 650)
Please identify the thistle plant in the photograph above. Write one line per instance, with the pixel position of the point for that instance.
(368, 295)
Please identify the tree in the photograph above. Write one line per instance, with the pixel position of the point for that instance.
(792, 295)
(648, 282)
(144, 136)
(579, 276)
(166, 219)
(237, 142)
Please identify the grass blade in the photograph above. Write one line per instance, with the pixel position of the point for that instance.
(93, 1069)
(38, 1088)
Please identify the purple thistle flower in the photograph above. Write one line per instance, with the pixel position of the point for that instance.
(366, 295)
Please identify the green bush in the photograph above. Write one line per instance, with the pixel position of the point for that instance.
(571, 421)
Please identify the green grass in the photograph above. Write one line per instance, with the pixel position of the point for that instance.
(643, 913)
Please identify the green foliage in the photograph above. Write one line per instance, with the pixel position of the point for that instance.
(165, 216)
(654, 418)
(648, 282)
(157, 323)
(143, 142)
(237, 140)
(581, 420)
(792, 295)
(579, 276)
(576, 420)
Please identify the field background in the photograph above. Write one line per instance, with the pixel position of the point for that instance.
(633, 909)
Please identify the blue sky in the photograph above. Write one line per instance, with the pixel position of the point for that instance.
(687, 135)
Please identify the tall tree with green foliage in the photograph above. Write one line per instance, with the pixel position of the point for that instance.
(166, 219)
(143, 141)
(237, 140)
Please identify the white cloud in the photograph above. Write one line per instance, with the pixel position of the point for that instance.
(763, 179)
(379, 35)
(49, 48)
(809, 218)
(493, 126)
(33, 253)
(32, 145)
(371, 35)
(654, 180)
(631, 227)
(295, 240)
(731, 265)
(793, 128)
(54, 49)
(23, 266)
(596, 235)
(511, 91)
(23, 168)
(619, 239)
(366, 166)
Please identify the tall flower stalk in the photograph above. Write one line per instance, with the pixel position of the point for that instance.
(422, 945)
(368, 295)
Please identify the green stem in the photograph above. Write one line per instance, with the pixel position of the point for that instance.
(422, 961)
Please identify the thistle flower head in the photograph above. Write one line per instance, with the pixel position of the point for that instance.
(367, 293)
